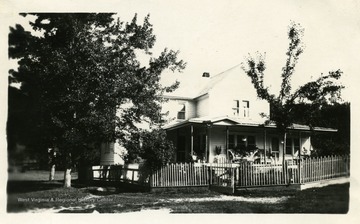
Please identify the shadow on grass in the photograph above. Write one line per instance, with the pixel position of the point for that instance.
(27, 186)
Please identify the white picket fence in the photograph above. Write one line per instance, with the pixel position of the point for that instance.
(248, 174)
(323, 168)
(180, 175)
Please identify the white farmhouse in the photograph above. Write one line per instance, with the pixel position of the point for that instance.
(223, 119)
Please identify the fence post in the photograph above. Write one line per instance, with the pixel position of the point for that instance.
(233, 184)
(299, 173)
(150, 180)
(209, 175)
(132, 177)
(286, 173)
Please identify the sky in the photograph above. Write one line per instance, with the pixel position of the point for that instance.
(213, 36)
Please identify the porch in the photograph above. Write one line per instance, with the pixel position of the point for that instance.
(226, 139)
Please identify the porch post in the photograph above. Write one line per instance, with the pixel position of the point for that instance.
(300, 145)
(264, 145)
(299, 163)
(192, 140)
(207, 144)
(208, 125)
(227, 141)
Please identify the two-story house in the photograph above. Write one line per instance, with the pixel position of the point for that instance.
(224, 117)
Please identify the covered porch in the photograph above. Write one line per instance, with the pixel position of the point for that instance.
(230, 140)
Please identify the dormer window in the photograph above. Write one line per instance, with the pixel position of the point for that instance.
(246, 106)
(181, 113)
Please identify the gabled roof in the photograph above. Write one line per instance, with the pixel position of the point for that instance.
(214, 80)
(205, 84)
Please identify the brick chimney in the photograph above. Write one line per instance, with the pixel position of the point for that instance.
(206, 74)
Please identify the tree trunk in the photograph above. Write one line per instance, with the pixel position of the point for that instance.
(284, 149)
(67, 178)
(283, 159)
(52, 172)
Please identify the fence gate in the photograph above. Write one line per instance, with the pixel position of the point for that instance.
(222, 177)
(228, 177)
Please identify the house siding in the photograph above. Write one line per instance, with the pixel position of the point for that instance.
(236, 86)
(107, 154)
(190, 109)
(110, 154)
(172, 107)
(202, 106)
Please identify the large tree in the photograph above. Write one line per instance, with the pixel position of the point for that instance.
(282, 106)
(88, 83)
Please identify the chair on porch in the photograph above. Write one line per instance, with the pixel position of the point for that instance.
(233, 156)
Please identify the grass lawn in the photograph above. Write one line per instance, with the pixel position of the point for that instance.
(31, 192)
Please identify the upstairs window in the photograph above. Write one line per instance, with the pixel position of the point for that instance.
(246, 106)
(181, 113)
(235, 107)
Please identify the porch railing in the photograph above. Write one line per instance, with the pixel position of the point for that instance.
(118, 173)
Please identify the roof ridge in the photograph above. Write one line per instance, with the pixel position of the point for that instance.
(226, 70)
(215, 79)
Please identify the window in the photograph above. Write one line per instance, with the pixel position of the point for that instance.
(246, 106)
(289, 146)
(231, 141)
(251, 142)
(235, 107)
(296, 145)
(292, 145)
(274, 144)
(241, 141)
(181, 113)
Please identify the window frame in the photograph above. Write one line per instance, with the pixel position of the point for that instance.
(181, 114)
(237, 140)
(236, 108)
(246, 108)
(294, 144)
(275, 143)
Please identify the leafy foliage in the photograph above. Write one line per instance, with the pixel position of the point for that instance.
(313, 94)
(86, 83)
(152, 149)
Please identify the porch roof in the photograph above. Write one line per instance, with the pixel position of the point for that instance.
(230, 121)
